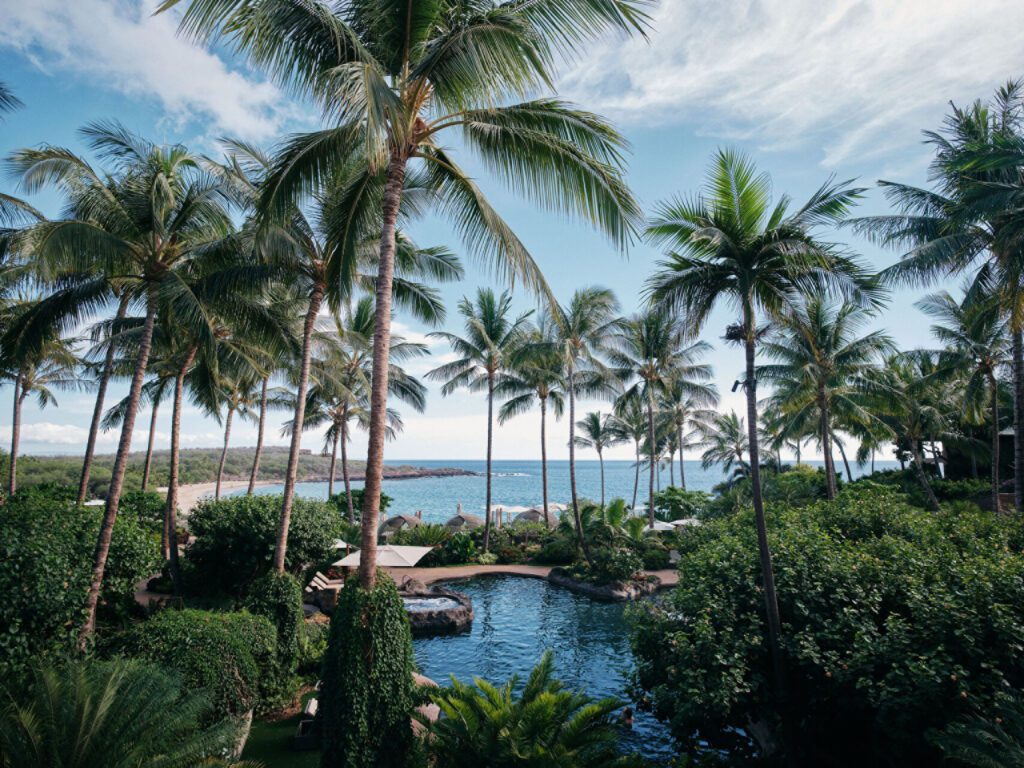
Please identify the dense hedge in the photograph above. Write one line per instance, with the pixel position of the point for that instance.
(896, 621)
(675, 503)
(278, 597)
(46, 555)
(227, 655)
(235, 540)
(366, 696)
(907, 481)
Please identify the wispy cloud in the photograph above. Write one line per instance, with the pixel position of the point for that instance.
(854, 76)
(119, 44)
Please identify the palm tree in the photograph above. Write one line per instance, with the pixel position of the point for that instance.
(8, 101)
(726, 441)
(653, 348)
(597, 434)
(970, 219)
(340, 393)
(534, 376)
(729, 243)
(543, 725)
(322, 263)
(583, 330)
(54, 366)
(687, 402)
(976, 343)
(120, 714)
(630, 423)
(157, 214)
(820, 362)
(492, 338)
(396, 78)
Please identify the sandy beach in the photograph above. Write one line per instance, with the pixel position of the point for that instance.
(190, 495)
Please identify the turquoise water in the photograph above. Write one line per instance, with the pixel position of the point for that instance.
(516, 483)
(517, 619)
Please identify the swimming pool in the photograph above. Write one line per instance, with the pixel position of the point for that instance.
(517, 619)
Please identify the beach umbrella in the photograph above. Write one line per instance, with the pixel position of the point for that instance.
(388, 556)
(339, 544)
(685, 521)
(660, 526)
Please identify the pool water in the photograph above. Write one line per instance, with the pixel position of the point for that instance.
(517, 619)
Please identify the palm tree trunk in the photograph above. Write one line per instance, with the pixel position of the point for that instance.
(771, 600)
(580, 538)
(19, 398)
(490, 434)
(97, 411)
(224, 451)
(654, 463)
(334, 464)
(344, 465)
(149, 446)
(682, 467)
(379, 375)
(915, 452)
(846, 462)
(798, 453)
(636, 473)
(600, 459)
(1018, 421)
(316, 297)
(171, 509)
(259, 437)
(671, 469)
(826, 444)
(117, 475)
(544, 458)
(994, 386)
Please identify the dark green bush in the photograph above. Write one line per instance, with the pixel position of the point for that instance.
(896, 621)
(366, 696)
(340, 502)
(312, 646)
(46, 556)
(558, 550)
(655, 558)
(945, 490)
(147, 507)
(675, 503)
(227, 655)
(235, 540)
(457, 550)
(614, 564)
(278, 597)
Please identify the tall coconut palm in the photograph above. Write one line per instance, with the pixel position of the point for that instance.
(729, 244)
(976, 344)
(596, 433)
(687, 401)
(820, 361)
(492, 337)
(54, 366)
(149, 220)
(396, 77)
(340, 393)
(8, 101)
(970, 222)
(630, 422)
(325, 254)
(726, 442)
(534, 377)
(584, 326)
(653, 349)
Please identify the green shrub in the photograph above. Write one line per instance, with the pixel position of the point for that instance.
(675, 503)
(366, 696)
(655, 558)
(312, 646)
(487, 558)
(147, 507)
(278, 597)
(895, 621)
(511, 555)
(945, 490)
(458, 549)
(340, 502)
(235, 540)
(426, 535)
(227, 655)
(611, 564)
(558, 550)
(46, 556)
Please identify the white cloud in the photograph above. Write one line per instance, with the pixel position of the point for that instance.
(863, 76)
(121, 45)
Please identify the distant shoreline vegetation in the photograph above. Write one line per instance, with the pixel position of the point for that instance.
(199, 465)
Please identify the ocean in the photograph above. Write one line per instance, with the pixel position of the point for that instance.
(519, 483)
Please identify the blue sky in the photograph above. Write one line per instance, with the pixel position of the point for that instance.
(808, 87)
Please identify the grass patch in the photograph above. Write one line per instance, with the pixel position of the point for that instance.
(270, 743)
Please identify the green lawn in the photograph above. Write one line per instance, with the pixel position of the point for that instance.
(270, 743)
